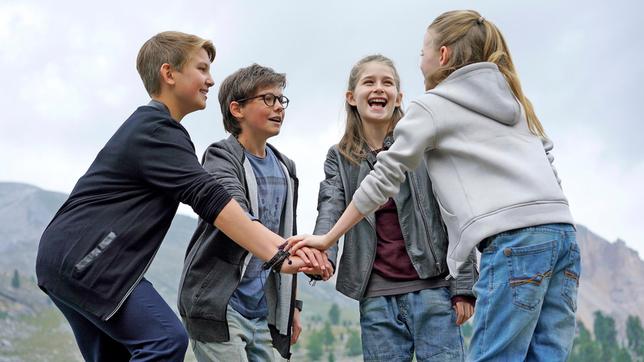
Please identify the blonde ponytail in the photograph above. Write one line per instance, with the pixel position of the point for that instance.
(472, 39)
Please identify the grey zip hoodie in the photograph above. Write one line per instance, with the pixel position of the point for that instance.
(489, 172)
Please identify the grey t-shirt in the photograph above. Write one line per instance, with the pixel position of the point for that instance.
(248, 299)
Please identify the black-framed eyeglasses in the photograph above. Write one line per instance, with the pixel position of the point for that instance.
(269, 99)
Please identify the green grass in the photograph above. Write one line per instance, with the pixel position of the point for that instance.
(48, 339)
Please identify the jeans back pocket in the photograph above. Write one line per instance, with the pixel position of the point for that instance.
(571, 276)
(530, 270)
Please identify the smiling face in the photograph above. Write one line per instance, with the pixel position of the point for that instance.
(258, 119)
(192, 82)
(375, 94)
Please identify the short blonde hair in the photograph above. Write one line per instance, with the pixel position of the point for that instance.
(170, 47)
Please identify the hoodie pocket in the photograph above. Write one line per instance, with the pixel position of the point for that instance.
(450, 223)
(79, 269)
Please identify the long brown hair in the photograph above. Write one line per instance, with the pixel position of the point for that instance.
(472, 39)
(351, 145)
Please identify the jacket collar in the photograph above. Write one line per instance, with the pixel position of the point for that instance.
(238, 151)
(371, 156)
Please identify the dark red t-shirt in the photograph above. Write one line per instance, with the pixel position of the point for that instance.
(392, 261)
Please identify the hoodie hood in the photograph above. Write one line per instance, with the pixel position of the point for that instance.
(481, 88)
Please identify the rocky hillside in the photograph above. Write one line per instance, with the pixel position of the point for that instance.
(611, 279)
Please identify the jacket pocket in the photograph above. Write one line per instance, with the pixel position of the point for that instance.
(80, 267)
(530, 270)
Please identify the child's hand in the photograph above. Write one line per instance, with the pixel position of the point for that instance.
(464, 311)
(325, 270)
(293, 264)
(319, 242)
(313, 257)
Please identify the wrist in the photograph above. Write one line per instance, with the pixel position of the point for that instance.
(464, 298)
(328, 240)
(275, 263)
(298, 304)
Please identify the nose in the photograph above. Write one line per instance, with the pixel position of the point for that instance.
(209, 81)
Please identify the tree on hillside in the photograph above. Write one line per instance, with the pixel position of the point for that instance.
(635, 335)
(327, 335)
(606, 335)
(15, 281)
(622, 355)
(331, 357)
(354, 346)
(584, 349)
(314, 346)
(334, 314)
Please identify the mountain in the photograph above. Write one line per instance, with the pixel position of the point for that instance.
(610, 282)
(26, 210)
(611, 279)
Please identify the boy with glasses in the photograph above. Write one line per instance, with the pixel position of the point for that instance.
(246, 311)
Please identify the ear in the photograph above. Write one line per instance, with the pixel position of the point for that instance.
(445, 54)
(236, 110)
(350, 99)
(399, 99)
(167, 74)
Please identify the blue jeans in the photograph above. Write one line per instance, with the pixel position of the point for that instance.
(394, 327)
(527, 295)
(144, 329)
(250, 341)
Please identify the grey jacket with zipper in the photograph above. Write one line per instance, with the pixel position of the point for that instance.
(422, 229)
(490, 173)
(214, 264)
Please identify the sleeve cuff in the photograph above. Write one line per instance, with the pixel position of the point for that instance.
(464, 298)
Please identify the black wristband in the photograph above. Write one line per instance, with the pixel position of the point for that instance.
(277, 260)
(298, 304)
(283, 255)
(271, 263)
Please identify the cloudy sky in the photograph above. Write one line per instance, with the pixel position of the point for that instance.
(69, 80)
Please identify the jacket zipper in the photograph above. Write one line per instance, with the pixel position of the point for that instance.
(363, 287)
(118, 306)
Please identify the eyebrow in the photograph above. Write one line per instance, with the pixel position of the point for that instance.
(368, 76)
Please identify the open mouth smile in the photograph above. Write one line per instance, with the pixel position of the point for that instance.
(377, 103)
(277, 119)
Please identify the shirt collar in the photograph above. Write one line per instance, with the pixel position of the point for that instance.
(160, 106)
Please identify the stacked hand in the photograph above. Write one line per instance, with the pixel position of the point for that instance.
(308, 260)
(319, 242)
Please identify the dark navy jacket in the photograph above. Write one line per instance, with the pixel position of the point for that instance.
(104, 237)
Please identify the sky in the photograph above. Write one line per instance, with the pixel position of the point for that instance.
(69, 81)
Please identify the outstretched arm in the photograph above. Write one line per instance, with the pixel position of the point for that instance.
(349, 218)
(415, 133)
(234, 222)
